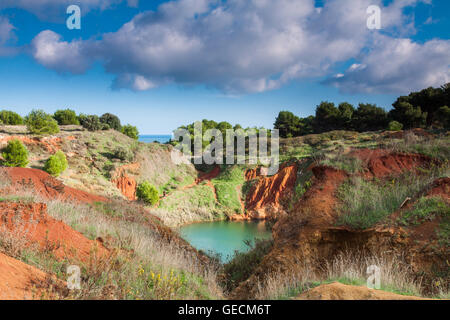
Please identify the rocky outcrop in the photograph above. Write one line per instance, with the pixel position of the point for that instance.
(125, 183)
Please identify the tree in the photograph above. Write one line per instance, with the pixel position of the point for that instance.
(147, 193)
(443, 117)
(15, 154)
(346, 111)
(112, 120)
(39, 122)
(369, 117)
(90, 122)
(66, 117)
(327, 117)
(288, 124)
(130, 131)
(407, 114)
(10, 118)
(56, 164)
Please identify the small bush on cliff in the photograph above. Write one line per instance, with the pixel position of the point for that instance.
(56, 164)
(10, 118)
(66, 117)
(130, 131)
(90, 122)
(15, 154)
(395, 126)
(111, 120)
(122, 154)
(147, 193)
(39, 122)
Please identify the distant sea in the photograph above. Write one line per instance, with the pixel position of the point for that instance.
(161, 138)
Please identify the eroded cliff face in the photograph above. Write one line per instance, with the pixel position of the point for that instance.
(124, 182)
(308, 236)
(266, 196)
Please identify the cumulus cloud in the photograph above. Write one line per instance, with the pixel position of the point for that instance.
(243, 46)
(50, 51)
(398, 65)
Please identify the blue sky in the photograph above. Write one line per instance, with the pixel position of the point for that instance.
(159, 65)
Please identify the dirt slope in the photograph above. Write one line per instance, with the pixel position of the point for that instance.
(32, 221)
(41, 183)
(19, 281)
(339, 291)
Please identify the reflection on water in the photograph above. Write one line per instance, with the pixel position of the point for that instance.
(224, 237)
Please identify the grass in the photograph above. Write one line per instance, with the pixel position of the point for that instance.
(227, 185)
(348, 268)
(433, 147)
(425, 209)
(366, 203)
(138, 252)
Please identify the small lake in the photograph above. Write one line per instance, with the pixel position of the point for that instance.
(224, 237)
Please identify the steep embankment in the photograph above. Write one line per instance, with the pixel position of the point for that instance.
(308, 235)
(19, 281)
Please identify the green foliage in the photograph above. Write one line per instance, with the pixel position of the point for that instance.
(407, 114)
(227, 184)
(369, 117)
(425, 209)
(243, 265)
(56, 164)
(147, 193)
(66, 117)
(15, 154)
(365, 203)
(122, 154)
(90, 122)
(395, 126)
(112, 120)
(443, 117)
(130, 131)
(327, 117)
(10, 118)
(39, 122)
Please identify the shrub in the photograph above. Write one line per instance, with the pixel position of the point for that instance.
(112, 120)
(122, 154)
(90, 122)
(56, 164)
(10, 118)
(15, 154)
(147, 193)
(395, 126)
(66, 117)
(39, 122)
(130, 131)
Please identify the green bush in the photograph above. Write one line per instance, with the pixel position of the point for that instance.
(147, 193)
(56, 164)
(15, 154)
(122, 154)
(90, 122)
(130, 131)
(39, 122)
(395, 126)
(66, 117)
(112, 120)
(10, 118)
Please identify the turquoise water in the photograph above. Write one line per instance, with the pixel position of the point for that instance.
(224, 237)
(152, 138)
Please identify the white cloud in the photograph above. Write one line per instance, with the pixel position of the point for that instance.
(244, 46)
(6, 36)
(50, 51)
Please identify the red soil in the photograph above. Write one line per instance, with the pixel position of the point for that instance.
(440, 187)
(19, 281)
(270, 191)
(51, 144)
(126, 184)
(44, 185)
(50, 234)
(382, 163)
